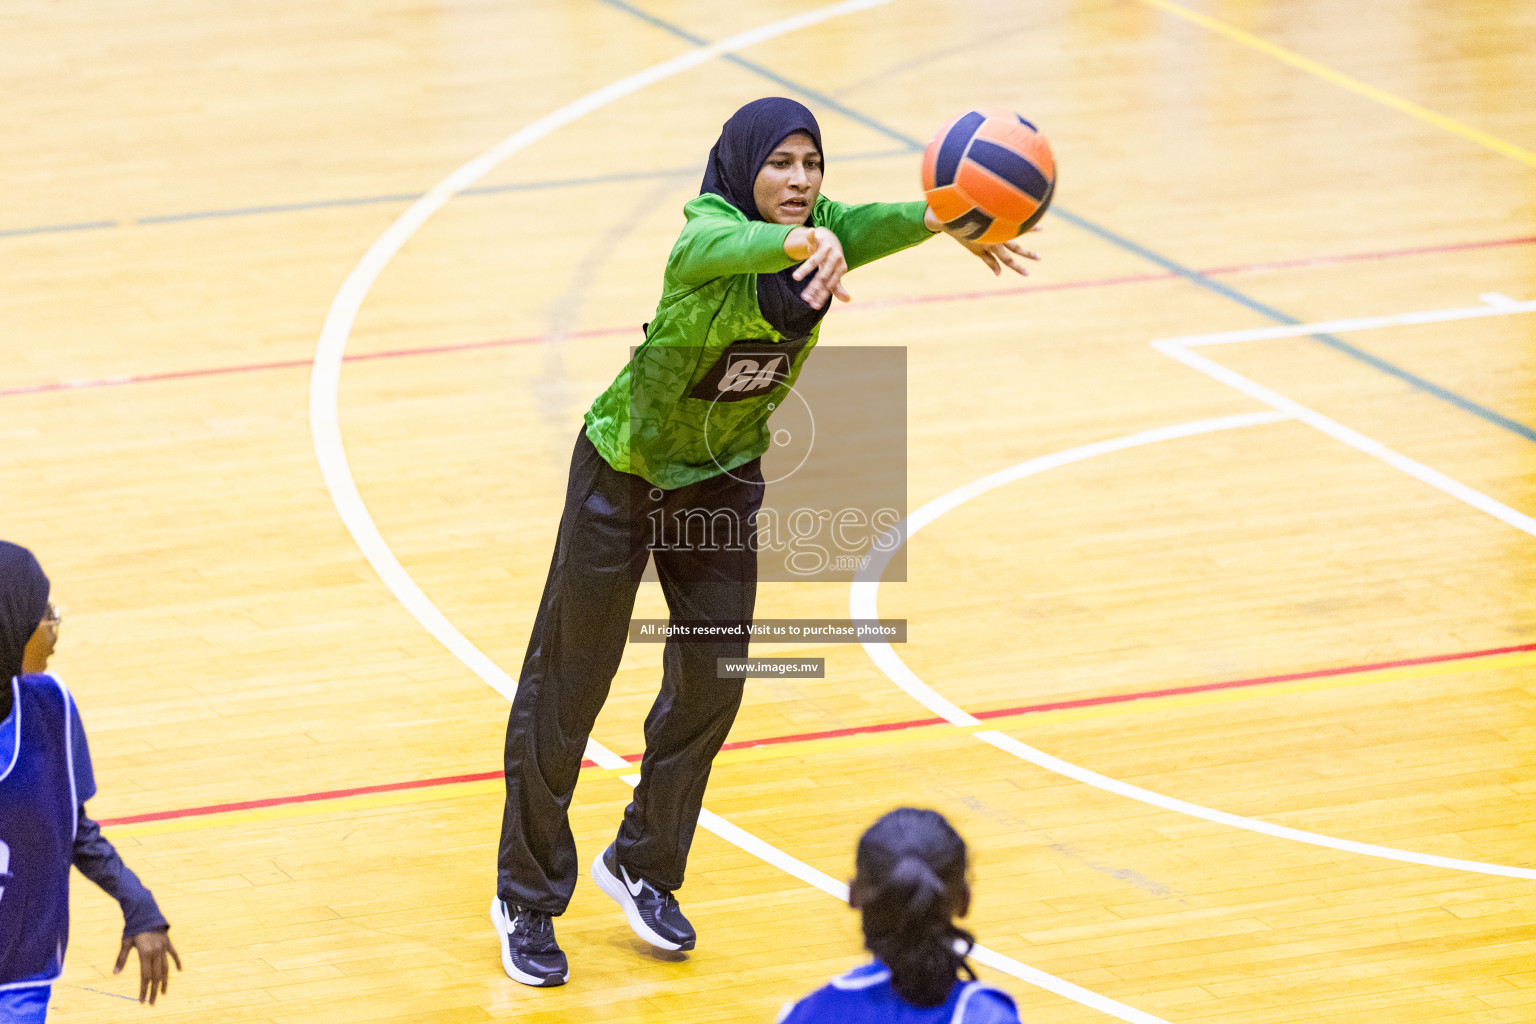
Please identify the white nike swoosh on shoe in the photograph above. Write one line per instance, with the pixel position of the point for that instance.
(633, 887)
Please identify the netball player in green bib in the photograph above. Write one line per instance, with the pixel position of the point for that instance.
(678, 434)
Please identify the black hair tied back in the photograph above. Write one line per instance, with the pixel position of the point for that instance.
(911, 870)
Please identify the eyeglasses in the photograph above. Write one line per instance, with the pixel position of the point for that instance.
(53, 615)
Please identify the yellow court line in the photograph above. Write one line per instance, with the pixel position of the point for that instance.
(1296, 60)
(865, 741)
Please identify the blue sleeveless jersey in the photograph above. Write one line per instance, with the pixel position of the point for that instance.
(40, 797)
(864, 996)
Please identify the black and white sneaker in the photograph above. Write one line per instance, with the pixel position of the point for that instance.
(529, 952)
(653, 913)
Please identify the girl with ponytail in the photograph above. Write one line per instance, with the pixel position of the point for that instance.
(911, 885)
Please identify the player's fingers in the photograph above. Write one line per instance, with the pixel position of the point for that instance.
(1019, 250)
(835, 286)
(814, 294)
(812, 263)
(122, 956)
(171, 949)
(145, 984)
(991, 262)
(1007, 258)
(829, 265)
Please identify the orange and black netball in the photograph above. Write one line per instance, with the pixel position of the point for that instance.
(989, 175)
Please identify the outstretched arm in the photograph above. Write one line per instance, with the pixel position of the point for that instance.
(995, 256)
(144, 927)
(717, 242)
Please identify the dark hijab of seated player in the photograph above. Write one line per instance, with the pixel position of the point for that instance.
(746, 142)
(910, 886)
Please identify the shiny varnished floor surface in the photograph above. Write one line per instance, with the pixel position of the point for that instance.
(185, 189)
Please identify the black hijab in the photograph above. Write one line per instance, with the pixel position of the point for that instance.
(746, 141)
(23, 603)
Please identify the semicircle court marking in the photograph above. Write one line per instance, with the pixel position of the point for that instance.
(863, 602)
(325, 430)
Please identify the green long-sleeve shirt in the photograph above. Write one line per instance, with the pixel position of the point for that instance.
(694, 400)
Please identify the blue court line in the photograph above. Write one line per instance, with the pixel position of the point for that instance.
(1338, 344)
(1120, 241)
(822, 98)
(407, 197)
(52, 229)
(99, 992)
(252, 211)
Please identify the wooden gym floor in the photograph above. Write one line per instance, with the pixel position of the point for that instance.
(1282, 645)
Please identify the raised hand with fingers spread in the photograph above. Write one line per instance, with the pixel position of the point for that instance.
(996, 255)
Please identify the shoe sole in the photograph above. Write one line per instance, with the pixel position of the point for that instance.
(532, 980)
(614, 889)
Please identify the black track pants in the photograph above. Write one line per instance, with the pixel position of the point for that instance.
(609, 526)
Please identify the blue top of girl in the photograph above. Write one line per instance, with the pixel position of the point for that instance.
(909, 887)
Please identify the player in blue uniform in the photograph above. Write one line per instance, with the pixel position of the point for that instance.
(910, 887)
(45, 780)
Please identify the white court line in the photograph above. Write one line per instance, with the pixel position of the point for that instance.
(863, 603)
(1436, 479)
(1496, 305)
(325, 429)
(864, 595)
(1497, 299)
(1002, 741)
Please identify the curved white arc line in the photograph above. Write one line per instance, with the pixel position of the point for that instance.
(863, 597)
(863, 603)
(1003, 741)
(1356, 440)
(325, 428)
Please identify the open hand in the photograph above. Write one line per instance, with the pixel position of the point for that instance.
(1002, 254)
(154, 972)
(829, 265)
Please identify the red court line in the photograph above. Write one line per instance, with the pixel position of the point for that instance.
(858, 730)
(1319, 261)
(303, 798)
(293, 364)
(1100, 282)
